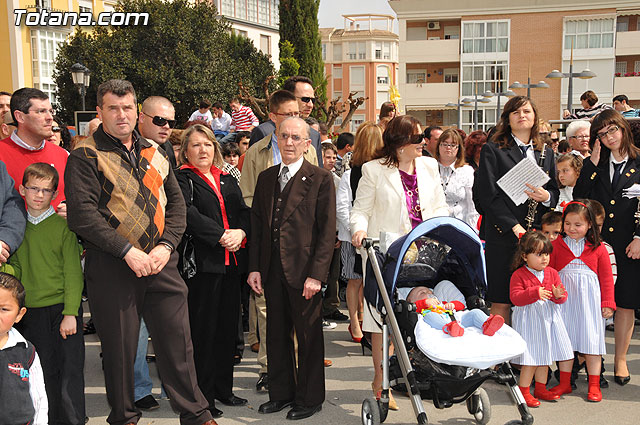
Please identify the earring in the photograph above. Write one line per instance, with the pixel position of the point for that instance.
(401, 150)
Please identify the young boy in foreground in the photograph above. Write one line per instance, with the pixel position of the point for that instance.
(23, 398)
(49, 259)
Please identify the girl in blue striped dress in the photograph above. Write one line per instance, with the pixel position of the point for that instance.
(585, 270)
(537, 292)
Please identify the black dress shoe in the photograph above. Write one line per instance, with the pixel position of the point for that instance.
(337, 316)
(233, 401)
(147, 403)
(215, 412)
(300, 412)
(622, 380)
(263, 383)
(274, 406)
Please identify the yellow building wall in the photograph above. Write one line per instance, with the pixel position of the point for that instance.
(5, 46)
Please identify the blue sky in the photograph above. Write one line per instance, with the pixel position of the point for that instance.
(331, 11)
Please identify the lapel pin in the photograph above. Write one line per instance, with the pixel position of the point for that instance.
(632, 170)
(304, 178)
(593, 176)
(148, 166)
(221, 183)
(628, 174)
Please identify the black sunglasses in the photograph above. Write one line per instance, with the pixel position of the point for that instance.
(307, 99)
(416, 139)
(161, 122)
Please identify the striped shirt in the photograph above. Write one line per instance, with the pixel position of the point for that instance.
(612, 258)
(589, 113)
(243, 119)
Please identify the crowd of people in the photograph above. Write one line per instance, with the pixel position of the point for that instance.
(172, 232)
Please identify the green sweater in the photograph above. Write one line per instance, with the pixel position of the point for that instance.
(49, 262)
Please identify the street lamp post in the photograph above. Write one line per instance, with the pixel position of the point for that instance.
(507, 93)
(529, 85)
(585, 75)
(80, 75)
(458, 105)
(485, 99)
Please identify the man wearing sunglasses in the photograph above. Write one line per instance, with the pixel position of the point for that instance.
(302, 89)
(155, 122)
(33, 116)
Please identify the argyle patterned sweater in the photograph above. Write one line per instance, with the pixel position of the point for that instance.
(118, 199)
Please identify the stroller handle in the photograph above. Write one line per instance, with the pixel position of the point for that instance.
(369, 242)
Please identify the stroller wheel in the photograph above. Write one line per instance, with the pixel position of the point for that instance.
(480, 406)
(370, 412)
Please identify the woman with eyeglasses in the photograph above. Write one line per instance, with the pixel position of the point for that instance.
(613, 166)
(578, 137)
(516, 138)
(397, 191)
(218, 221)
(456, 177)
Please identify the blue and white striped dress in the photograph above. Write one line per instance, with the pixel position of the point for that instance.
(582, 313)
(541, 326)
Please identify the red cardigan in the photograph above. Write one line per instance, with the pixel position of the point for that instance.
(525, 286)
(596, 259)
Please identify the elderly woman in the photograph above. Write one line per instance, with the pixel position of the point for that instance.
(614, 166)
(218, 220)
(456, 177)
(398, 190)
(503, 221)
(368, 141)
(578, 137)
(472, 146)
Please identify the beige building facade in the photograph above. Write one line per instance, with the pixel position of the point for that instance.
(363, 59)
(450, 50)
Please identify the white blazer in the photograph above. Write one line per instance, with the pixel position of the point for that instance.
(380, 204)
(344, 200)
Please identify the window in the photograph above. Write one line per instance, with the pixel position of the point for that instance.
(337, 52)
(252, 11)
(356, 121)
(416, 33)
(383, 74)
(378, 50)
(44, 49)
(85, 6)
(338, 121)
(357, 95)
(451, 33)
(324, 51)
(338, 94)
(415, 76)
(263, 12)
(451, 75)
(386, 50)
(481, 37)
(357, 50)
(487, 75)
(265, 44)
(636, 66)
(621, 67)
(594, 34)
(241, 9)
(275, 12)
(382, 96)
(226, 8)
(337, 72)
(356, 78)
(623, 24)
(486, 118)
(44, 4)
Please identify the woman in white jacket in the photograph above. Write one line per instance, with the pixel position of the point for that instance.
(397, 191)
(368, 141)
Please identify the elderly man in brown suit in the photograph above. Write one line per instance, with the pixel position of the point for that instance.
(293, 221)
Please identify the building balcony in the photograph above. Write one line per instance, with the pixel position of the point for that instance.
(430, 51)
(428, 95)
(627, 85)
(628, 43)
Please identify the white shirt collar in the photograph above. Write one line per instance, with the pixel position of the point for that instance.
(293, 167)
(577, 153)
(18, 141)
(520, 142)
(613, 161)
(15, 338)
(42, 217)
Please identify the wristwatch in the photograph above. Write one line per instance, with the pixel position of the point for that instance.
(167, 245)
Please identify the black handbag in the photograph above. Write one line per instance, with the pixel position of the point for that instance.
(187, 263)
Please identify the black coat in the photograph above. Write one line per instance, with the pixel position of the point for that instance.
(499, 213)
(204, 219)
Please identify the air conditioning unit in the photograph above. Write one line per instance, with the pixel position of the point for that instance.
(433, 25)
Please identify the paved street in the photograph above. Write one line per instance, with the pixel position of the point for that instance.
(348, 382)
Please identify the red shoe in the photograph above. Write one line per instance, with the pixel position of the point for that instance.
(453, 329)
(541, 393)
(353, 338)
(528, 398)
(492, 324)
(594, 393)
(564, 387)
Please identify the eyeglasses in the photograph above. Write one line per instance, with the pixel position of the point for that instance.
(555, 140)
(610, 131)
(294, 137)
(307, 99)
(416, 139)
(56, 129)
(449, 145)
(288, 114)
(579, 137)
(37, 190)
(161, 122)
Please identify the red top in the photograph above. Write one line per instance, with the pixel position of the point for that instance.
(525, 286)
(422, 305)
(17, 158)
(596, 259)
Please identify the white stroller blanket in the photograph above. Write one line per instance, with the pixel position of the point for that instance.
(473, 349)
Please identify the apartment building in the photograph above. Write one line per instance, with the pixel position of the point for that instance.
(452, 50)
(361, 58)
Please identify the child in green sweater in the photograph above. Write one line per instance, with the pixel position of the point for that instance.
(51, 272)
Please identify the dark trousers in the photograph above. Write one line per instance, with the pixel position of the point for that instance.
(331, 299)
(288, 310)
(214, 302)
(118, 300)
(62, 362)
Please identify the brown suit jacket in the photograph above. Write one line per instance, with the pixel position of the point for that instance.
(307, 230)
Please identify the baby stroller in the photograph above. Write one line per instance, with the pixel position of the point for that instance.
(440, 248)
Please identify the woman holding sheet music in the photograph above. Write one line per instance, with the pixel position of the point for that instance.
(516, 138)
